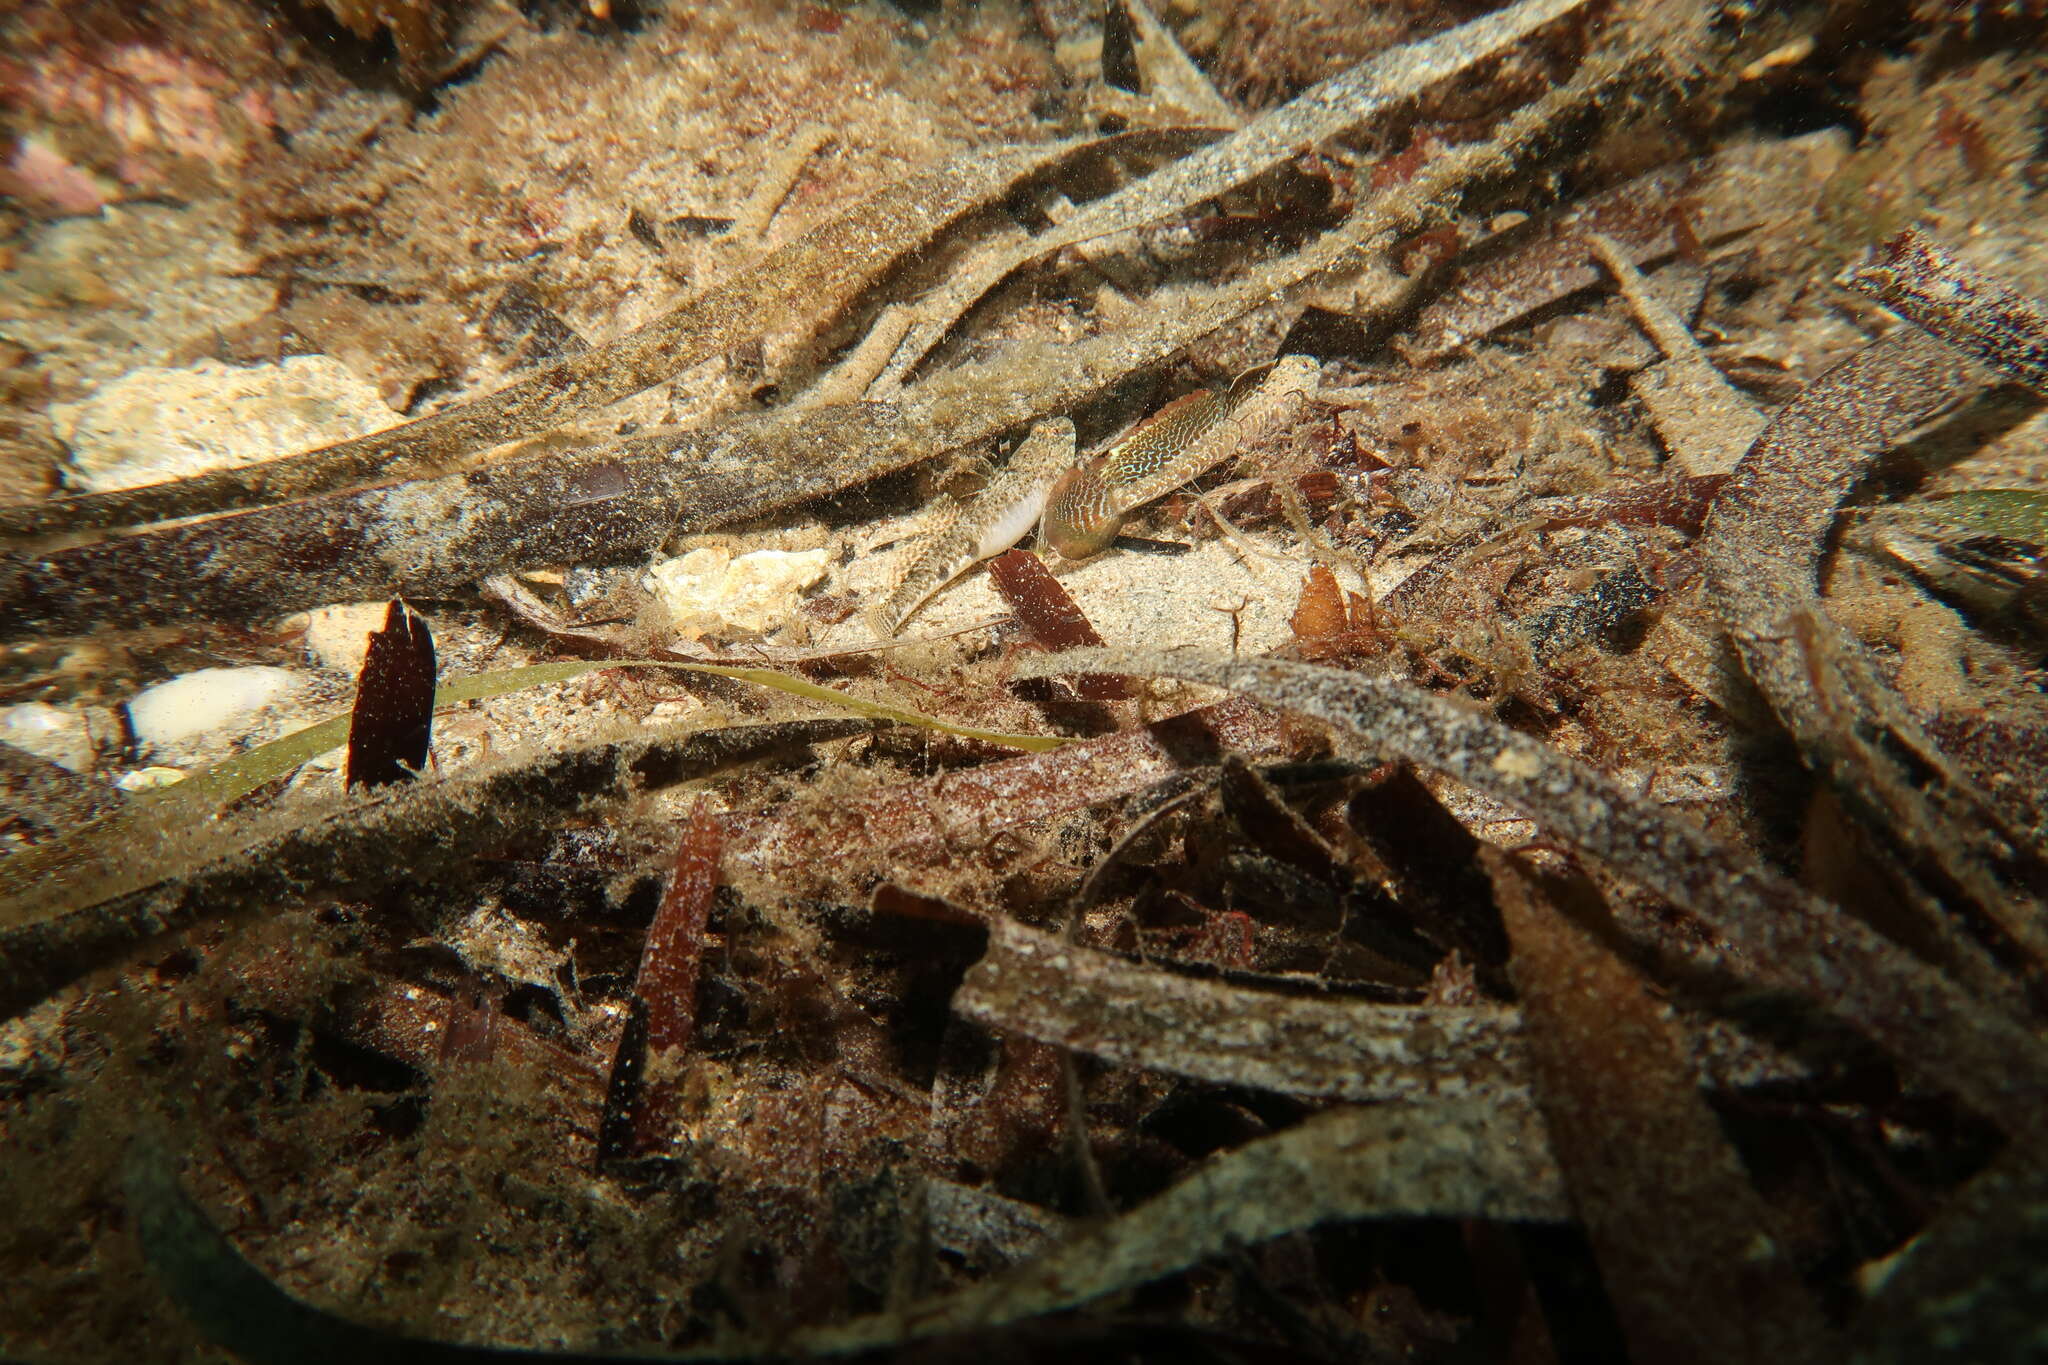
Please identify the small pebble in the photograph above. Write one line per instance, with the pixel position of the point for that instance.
(149, 779)
(210, 702)
(708, 592)
(48, 732)
(153, 424)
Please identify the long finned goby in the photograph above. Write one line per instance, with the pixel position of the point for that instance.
(1087, 506)
(962, 534)
(1079, 509)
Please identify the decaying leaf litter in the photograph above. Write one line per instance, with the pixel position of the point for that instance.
(1583, 897)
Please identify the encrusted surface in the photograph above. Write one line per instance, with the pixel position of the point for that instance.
(1636, 814)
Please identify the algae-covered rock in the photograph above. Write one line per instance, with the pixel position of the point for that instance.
(708, 592)
(156, 424)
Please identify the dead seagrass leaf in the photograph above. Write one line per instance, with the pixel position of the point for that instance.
(109, 895)
(1434, 1158)
(1787, 939)
(1643, 1154)
(391, 728)
(803, 282)
(1762, 549)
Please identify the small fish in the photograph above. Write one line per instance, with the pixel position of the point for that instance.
(965, 533)
(1088, 505)
(1081, 511)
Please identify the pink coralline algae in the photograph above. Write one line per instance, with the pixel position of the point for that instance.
(126, 114)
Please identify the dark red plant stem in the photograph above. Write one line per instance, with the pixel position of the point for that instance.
(646, 1068)
(675, 940)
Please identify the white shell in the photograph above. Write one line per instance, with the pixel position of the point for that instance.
(209, 701)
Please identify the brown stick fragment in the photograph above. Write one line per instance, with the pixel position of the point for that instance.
(625, 1086)
(1429, 860)
(646, 1068)
(1970, 310)
(1644, 1156)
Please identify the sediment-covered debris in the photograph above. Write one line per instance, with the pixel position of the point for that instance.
(543, 803)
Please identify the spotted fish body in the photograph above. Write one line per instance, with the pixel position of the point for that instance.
(1089, 504)
(966, 533)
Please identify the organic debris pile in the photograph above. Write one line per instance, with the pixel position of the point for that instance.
(1531, 844)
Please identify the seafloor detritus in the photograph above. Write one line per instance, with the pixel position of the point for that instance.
(1522, 841)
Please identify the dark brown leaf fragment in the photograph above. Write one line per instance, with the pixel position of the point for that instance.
(1119, 48)
(469, 1025)
(1051, 615)
(1319, 615)
(1685, 1243)
(675, 941)
(1302, 881)
(1042, 606)
(1430, 863)
(662, 1013)
(617, 1122)
(391, 729)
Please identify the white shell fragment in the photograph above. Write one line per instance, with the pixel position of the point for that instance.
(48, 732)
(708, 592)
(211, 702)
(339, 636)
(151, 425)
(153, 778)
